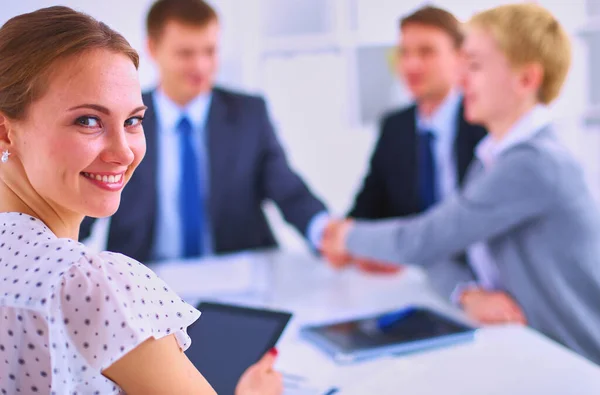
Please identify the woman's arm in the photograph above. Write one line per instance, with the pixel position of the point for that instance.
(158, 367)
(520, 187)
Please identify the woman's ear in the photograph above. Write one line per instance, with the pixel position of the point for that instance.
(4, 128)
(6, 132)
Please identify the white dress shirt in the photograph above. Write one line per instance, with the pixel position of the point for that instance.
(168, 238)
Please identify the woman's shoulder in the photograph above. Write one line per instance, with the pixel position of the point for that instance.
(98, 306)
(36, 267)
(33, 260)
(110, 296)
(26, 241)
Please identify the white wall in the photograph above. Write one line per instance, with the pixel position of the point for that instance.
(310, 93)
(128, 18)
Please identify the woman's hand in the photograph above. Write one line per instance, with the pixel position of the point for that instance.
(260, 378)
(492, 307)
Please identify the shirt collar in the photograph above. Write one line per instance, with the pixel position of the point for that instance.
(442, 122)
(488, 150)
(170, 112)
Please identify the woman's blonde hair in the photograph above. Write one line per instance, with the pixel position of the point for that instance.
(528, 33)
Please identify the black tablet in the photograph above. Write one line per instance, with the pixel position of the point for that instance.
(227, 339)
(408, 330)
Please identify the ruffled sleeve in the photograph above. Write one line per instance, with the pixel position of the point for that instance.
(110, 304)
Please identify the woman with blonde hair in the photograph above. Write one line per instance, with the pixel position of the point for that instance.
(73, 321)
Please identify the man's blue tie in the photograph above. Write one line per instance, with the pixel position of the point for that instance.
(427, 170)
(191, 208)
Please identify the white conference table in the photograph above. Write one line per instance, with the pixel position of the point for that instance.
(501, 360)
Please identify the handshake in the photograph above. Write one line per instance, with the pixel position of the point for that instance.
(333, 248)
(485, 307)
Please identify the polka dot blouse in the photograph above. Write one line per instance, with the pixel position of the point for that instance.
(67, 313)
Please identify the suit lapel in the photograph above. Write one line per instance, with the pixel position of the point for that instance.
(220, 127)
(150, 131)
(410, 160)
(150, 169)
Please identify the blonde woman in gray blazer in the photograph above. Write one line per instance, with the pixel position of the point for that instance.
(525, 217)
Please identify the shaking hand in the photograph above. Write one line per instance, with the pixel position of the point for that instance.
(333, 245)
(333, 248)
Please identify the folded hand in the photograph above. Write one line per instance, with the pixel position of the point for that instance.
(489, 307)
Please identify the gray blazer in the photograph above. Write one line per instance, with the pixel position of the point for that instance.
(541, 224)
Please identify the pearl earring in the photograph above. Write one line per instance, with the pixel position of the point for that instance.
(5, 156)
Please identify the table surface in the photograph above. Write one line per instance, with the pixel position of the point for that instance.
(500, 360)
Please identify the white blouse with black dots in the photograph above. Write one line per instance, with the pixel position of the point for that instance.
(66, 313)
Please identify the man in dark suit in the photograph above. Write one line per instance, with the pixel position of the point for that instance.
(212, 155)
(424, 150)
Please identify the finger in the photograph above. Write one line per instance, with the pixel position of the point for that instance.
(498, 310)
(267, 362)
(338, 260)
(378, 268)
(273, 384)
(512, 315)
(518, 312)
(511, 310)
(480, 317)
(331, 229)
(506, 314)
(519, 316)
(483, 312)
(334, 260)
(476, 311)
(521, 320)
(330, 249)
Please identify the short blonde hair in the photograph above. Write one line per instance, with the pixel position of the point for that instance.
(528, 33)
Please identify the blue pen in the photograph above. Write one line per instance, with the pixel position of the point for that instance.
(387, 320)
(332, 391)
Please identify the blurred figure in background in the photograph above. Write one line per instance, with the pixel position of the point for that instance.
(212, 160)
(424, 150)
(526, 215)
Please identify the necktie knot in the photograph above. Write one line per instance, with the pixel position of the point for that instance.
(184, 126)
(427, 135)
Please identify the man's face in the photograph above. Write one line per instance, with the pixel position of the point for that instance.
(187, 58)
(429, 61)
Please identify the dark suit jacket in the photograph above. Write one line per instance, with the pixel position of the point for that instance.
(390, 188)
(247, 166)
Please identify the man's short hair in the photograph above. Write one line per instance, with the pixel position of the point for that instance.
(439, 18)
(190, 12)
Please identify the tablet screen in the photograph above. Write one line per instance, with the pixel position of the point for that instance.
(227, 339)
(404, 326)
